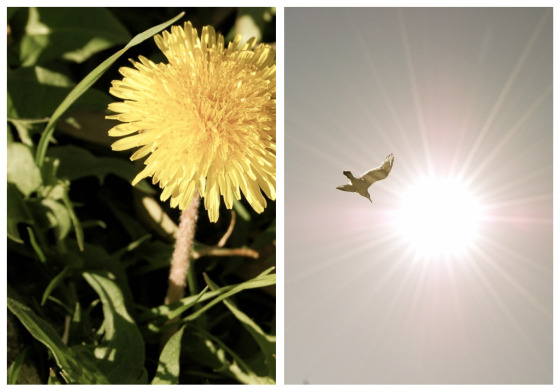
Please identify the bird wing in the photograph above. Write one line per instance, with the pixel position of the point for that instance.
(347, 188)
(379, 173)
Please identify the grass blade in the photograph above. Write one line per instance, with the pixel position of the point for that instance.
(87, 82)
(75, 367)
(15, 367)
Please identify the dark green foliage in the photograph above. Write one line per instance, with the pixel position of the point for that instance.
(88, 255)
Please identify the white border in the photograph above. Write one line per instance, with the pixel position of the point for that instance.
(280, 186)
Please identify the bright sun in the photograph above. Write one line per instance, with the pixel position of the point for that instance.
(438, 217)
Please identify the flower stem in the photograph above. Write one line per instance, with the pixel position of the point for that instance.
(180, 260)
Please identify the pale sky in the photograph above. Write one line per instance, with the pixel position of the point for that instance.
(453, 93)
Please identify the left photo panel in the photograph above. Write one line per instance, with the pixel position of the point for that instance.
(141, 195)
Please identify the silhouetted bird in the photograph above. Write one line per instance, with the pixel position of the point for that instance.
(361, 184)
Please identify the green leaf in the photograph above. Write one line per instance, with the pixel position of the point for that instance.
(52, 379)
(120, 353)
(15, 367)
(71, 33)
(241, 211)
(56, 189)
(252, 22)
(11, 11)
(168, 368)
(88, 125)
(35, 245)
(74, 219)
(22, 170)
(35, 92)
(25, 128)
(76, 367)
(54, 283)
(58, 217)
(16, 213)
(156, 254)
(266, 342)
(168, 312)
(192, 301)
(128, 221)
(53, 187)
(227, 291)
(76, 162)
(266, 237)
(214, 353)
(87, 82)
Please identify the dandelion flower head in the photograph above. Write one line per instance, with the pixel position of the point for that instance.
(206, 120)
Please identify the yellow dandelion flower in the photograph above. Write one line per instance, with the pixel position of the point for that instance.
(207, 118)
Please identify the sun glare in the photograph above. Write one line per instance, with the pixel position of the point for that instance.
(438, 217)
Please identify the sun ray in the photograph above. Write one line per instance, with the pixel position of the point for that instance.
(404, 141)
(497, 192)
(494, 247)
(342, 257)
(488, 157)
(382, 284)
(505, 90)
(414, 90)
(520, 201)
(316, 151)
(499, 302)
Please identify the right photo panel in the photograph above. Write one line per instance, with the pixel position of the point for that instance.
(418, 196)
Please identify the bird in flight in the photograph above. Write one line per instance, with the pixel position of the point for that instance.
(361, 184)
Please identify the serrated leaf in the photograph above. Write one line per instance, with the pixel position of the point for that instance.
(22, 170)
(121, 351)
(71, 33)
(75, 366)
(167, 372)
